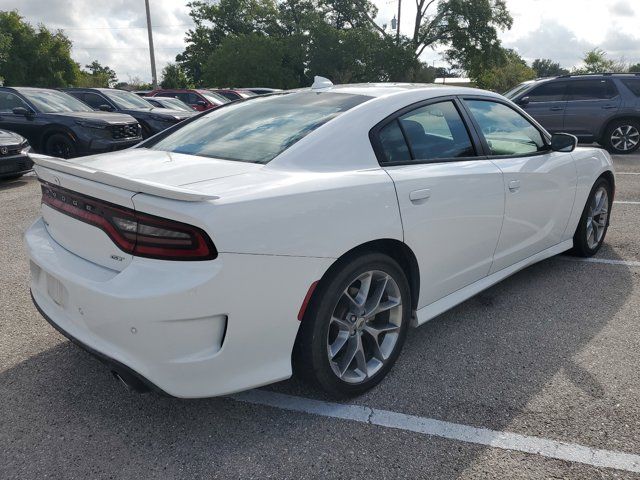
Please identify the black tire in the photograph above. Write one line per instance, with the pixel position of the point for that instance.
(612, 137)
(581, 246)
(60, 145)
(311, 359)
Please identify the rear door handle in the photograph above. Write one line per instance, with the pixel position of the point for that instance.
(609, 107)
(420, 196)
(514, 186)
(556, 109)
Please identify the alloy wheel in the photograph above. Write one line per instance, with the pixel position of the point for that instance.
(597, 217)
(364, 327)
(625, 138)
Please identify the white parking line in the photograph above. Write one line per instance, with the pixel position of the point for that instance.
(427, 426)
(626, 203)
(626, 263)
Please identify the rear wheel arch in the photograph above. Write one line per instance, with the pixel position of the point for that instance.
(395, 249)
(605, 127)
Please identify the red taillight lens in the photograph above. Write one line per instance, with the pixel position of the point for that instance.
(133, 232)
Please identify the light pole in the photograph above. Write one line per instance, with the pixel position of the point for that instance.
(398, 26)
(154, 76)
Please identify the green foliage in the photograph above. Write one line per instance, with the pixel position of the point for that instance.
(596, 61)
(509, 72)
(34, 56)
(634, 68)
(96, 76)
(545, 67)
(173, 76)
(285, 43)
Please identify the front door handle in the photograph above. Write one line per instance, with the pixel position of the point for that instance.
(514, 186)
(608, 107)
(420, 196)
(556, 109)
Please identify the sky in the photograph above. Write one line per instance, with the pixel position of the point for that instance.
(114, 32)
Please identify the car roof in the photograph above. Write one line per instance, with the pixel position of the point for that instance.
(386, 89)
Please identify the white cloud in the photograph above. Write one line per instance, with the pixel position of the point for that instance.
(622, 8)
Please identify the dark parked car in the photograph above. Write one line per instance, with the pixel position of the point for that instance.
(57, 124)
(152, 120)
(261, 90)
(233, 94)
(602, 107)
(14, 160)
(199, 100)
(170, 103)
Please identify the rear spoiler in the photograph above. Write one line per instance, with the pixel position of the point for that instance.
(126, 183)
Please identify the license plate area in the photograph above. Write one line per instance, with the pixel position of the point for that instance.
(57, 291)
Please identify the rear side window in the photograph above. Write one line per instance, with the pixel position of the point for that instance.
(430, 133)
(505, 130)
(591, 90)
(548, 92)
(258, 130)
(632, 84)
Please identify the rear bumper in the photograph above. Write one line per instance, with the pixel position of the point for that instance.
(190, 329)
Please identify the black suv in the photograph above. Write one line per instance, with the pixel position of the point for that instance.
(59, 125)
(152, 119)
(14, 160)
(601, 107)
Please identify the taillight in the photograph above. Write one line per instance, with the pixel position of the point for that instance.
(133, 232)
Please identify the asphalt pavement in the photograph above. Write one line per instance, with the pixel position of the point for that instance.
(536, 377)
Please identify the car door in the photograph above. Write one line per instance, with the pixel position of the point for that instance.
(539, 184)
(451, 201)
(29, 126)
(590, 104)
(546, 103)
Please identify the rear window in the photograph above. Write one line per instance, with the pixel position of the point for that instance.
(259, 129)
(591, 90)
(632, 84)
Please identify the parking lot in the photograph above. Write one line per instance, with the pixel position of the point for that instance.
(551, 355)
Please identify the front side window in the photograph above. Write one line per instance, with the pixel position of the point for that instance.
(53, 101)
(548, 92)
(9, 101)
(94, 101)
(591, 90)
(259, 130)
(505, 130)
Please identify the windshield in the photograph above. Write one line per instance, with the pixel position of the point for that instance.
(53, 101)
(125, 100)
(215, 98)
(174, 103)
(516, 90)
(259, 130)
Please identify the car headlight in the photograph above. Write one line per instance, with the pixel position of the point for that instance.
(25, 148)
(91, 124)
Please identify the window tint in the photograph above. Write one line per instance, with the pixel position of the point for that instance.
(94, 100)
(9, 101)
(436, 131)
(591, 90)
(548, 92)
(632, 84)
(506, 131)
(393, 144)
(194, 99)
(259, 130)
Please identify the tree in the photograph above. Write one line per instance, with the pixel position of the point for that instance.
(511, 71)
(634, 68)
(34, 56)
(103, 74)
(545, 67)
(173, 76)
(596, 61)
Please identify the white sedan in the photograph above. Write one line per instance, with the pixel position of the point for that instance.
(303, 231)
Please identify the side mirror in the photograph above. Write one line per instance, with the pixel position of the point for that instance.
(563, 142)
(523, 101)
(22, 111)
(201, 103)
(105, 108)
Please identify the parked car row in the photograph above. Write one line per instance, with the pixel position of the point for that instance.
(604, 108)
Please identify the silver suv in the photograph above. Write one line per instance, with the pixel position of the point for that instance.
(601, 107)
